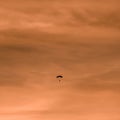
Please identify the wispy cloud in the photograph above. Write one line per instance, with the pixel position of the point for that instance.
(41, 39)
(47, 16)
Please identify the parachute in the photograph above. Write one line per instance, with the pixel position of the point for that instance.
(59, 77)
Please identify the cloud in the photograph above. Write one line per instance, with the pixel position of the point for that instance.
(60, 15)
(16, 48)
(41, 39)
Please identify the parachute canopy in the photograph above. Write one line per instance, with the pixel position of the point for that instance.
(59, 76)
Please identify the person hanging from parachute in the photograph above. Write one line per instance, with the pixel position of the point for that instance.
(59, 77)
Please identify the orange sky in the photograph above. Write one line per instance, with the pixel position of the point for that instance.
(40, 39)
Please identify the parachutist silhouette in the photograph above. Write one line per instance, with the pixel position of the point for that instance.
(59, 76)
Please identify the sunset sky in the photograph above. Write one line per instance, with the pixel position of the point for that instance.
(79, 39)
